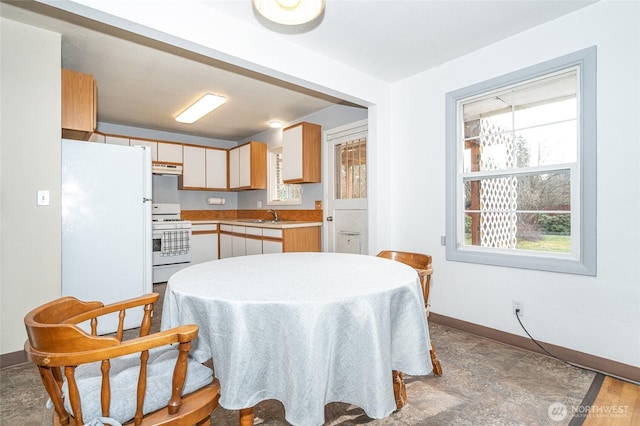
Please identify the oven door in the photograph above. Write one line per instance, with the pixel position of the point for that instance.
(171, 247)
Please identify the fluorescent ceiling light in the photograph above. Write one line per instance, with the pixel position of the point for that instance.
(275, 124)
(202, 107)
(289, 12)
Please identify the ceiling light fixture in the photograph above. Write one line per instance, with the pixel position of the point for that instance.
(290, 12)
(275, 124)
(200, 108)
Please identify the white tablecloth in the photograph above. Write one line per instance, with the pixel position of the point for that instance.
(304, 328)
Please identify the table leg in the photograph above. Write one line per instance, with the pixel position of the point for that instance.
(399, 389)
(246, 416)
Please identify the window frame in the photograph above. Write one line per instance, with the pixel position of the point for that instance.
(271, 175)
(585, 176)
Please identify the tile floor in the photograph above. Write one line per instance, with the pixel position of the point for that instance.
(484, 383)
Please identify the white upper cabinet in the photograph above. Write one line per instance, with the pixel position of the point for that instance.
(151, 144)
(203, 168)
(117, 140)
(170, 152)
(248, 166)
(301, 155)
(216, 165)
(194, 165)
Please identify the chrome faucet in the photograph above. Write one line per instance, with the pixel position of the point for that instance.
(273, 212)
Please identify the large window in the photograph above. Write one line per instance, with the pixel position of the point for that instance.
(521, 168)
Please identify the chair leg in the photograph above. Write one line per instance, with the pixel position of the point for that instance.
(437, 368)
(399, 389)
(205, 422)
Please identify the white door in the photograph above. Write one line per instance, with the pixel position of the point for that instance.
(346, 217)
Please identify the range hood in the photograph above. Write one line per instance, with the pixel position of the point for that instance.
(166, 169)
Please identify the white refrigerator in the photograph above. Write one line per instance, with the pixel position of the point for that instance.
(106, 225)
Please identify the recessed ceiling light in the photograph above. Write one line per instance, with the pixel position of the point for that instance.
(275, 124)
(200, 108)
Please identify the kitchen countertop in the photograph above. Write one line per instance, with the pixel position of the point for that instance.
(284, 224)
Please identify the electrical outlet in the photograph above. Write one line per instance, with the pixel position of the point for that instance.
(519, 306)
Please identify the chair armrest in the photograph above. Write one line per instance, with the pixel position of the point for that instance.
(181, 334)
(114, 307)
(425, 272)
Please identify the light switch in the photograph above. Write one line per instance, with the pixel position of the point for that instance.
(43, 198)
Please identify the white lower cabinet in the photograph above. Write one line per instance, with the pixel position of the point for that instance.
(204, 243)
(253, 241)
(271, 240)
(238, 241)
(226, 243)
(248, 240)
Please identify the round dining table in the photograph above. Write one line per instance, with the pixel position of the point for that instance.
(305, 329)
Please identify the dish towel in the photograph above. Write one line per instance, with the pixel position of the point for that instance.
(175, 243)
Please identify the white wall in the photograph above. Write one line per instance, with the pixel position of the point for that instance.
(597, 315)
(30, 161)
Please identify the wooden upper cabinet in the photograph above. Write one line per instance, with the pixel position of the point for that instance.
(301, 155)
(79, 105)
(248, 166)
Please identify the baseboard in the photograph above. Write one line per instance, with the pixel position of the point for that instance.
(604, 365)
(13, 358)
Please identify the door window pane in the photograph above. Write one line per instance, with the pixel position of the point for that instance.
(351, 169)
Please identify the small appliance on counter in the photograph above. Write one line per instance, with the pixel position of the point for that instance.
(171, 241)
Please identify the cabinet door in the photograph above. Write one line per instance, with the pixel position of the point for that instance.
(204, 244)
(253, 243)
(301, 153)
(271, 246)
(151, 144)
(216, 176)
(226, 247)
(169, 152)
(272, 240)
(79, 102)
(244, 166)
(193, 167)
(234, 165)
(238, 245)
(238, 241)
(292, 153)
(118, 140)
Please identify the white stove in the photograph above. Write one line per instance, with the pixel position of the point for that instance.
(171, 241)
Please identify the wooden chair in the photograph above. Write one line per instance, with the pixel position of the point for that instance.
(147, 380)
(422, 264)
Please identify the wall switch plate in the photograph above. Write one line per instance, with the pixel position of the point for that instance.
(443, 240)
(43, 198)
(259, 204)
